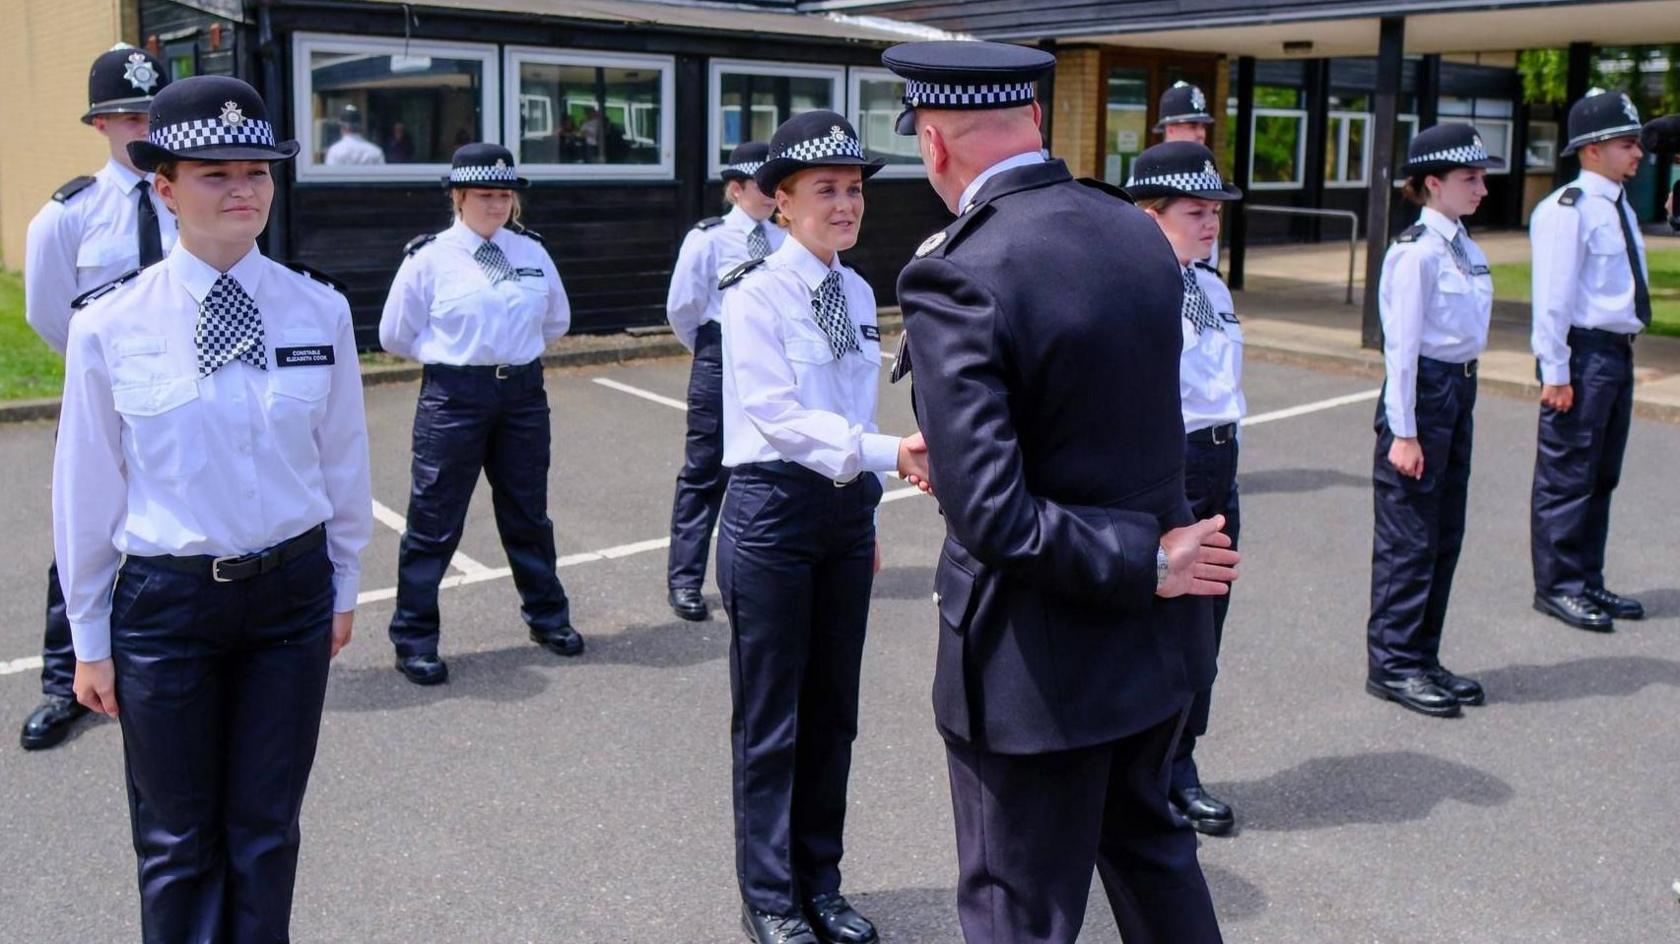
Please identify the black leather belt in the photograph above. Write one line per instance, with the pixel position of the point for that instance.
(1468, 368)
(1214, 435)
(498, 371)
(243, 567)
(1602, 336)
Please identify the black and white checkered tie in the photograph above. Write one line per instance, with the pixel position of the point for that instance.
(758, 244)
(1197, 309)
(828, 306)
(229, 329)
(1460, 256)
(494, 262)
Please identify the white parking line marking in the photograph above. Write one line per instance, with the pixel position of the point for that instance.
(644, 394)
(387, 516)
(25, 664)
(1314, 407)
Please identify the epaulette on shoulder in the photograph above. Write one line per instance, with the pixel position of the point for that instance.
(73, 187)
(527, 233)
(709, 222)
(1202, 264)
(1411, 234)
(1106, 187)
(88, 297)
(418, 243)
(1570, 196)
(736, 274)
(317, 275)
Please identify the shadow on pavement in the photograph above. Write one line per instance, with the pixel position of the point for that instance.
(918, 915)
(1234, 897)
(499, 675)
(672, 645)
(1387, 787)
(1273, 481)
(1660, 603)
(1604, 676)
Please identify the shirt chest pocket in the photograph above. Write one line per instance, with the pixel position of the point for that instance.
(108, 252)
(805, 343)
(461, 297)
(163, 423)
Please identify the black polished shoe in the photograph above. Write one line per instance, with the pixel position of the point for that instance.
(1619, 607)
(687, 603)
(835, 921)
(563, 641)
(423, 670)
(1578, 611)
(50, 723)
(1417, 693)
(1468, 691)
(766, 928)
(1205, 814)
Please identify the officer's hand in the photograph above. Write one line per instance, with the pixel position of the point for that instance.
(96, 686)
(912, 461)
(877, 557)
(341, 630)
(1560, 397)
(1407, 457)
(1200, 561)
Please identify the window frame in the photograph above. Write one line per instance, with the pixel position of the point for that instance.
(1338, 183)
(836, 76)
(855, 77)
(303, 100)
(515, 56)
(1510, 131)
(1300, 180)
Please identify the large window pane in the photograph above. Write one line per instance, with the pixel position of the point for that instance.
(1277, 148)
(581, 114)
(1128, 122)
(752, 105)
(392, 108)
(878, 103)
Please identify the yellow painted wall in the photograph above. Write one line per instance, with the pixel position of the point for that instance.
(46, 47)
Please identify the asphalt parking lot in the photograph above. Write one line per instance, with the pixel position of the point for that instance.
(587, 800)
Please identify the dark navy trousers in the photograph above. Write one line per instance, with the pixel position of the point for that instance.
(1210, 483)
(58, 656)
(219, 689)
(1419, 523)
(700, 484)
(795, 564)
(1578, 463)
(469, 421)
(1030, 828)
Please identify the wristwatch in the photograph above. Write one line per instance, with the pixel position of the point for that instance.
(1160, 566)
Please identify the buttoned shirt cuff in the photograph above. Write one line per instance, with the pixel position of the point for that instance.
(92, 639)
(1403, 427)
(879, 452)
(345, 588)
(1555, 375)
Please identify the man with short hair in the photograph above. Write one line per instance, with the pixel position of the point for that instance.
(1184, 114)
(351, 147)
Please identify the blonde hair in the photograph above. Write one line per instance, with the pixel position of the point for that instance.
(1158, 204)
(458, 196)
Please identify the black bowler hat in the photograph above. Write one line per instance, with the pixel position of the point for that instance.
(965, 75)
(123, 81)
(209, 118)
(1183, 104)
(1178, 169)
(1601, 116)
(1441, 148)
(745, 160)
(484, 167)
(812, 139)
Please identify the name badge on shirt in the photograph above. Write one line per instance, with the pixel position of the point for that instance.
(532, 272)
(870, 333)
(315, 355)
(1480, 270)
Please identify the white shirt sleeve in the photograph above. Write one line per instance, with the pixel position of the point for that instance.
(407, 307)
(49, 273)
(558, 319)
(820, 440)
(89, 496)
(693, 279)
(1558, 237)
(1408, 289)
(342, 443)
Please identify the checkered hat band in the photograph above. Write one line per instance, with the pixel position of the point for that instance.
(934, 95)
(213, 132)
(1188, 182)
(1464, 154)
(828, 145)
(482, 173)
(749, 168)
(1593, 137)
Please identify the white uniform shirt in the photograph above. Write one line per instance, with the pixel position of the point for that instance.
(1210, 369)
(354, 149)
(1430, 308)
(83, 243)
(442, 308)
(153, 459)
(706, 256)
(1581, 272)
(785, 397)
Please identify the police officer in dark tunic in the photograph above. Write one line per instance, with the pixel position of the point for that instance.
(694, 306)
(1592, 298)
(1043, 327)
(93, 230)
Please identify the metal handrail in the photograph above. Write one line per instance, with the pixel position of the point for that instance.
(1349, 215)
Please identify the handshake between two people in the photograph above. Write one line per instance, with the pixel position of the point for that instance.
(1200, 559)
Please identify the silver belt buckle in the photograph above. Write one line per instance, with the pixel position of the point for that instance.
(216, 568)
(1214, 433)
(502, 371)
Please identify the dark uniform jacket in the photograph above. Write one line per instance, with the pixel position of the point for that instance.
(1045, 334)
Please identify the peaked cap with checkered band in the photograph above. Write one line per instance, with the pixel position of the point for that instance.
(965, 75)
(483, 166)
(1178, 169)
(1441, 148)
(208, 118)
(813, 139)
(745, 160)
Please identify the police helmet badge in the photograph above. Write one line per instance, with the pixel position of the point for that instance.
(1198, 101)
(231, 115)
(139, 73)
(1629, 110)
(1208, 169)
